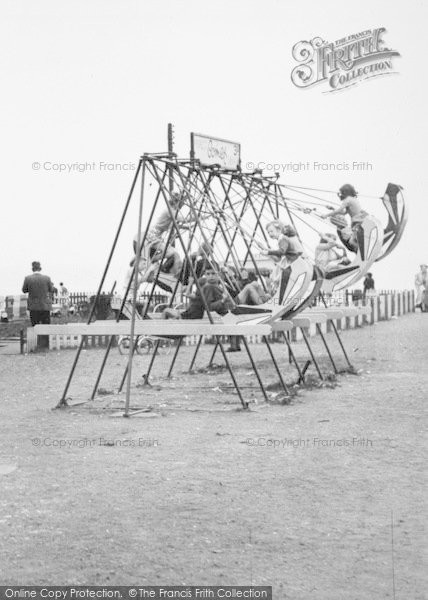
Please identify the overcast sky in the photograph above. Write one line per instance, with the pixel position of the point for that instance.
(97, 82)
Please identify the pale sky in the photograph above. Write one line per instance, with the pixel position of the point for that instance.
(90, 82)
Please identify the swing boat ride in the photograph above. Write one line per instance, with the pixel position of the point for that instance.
(223, 214)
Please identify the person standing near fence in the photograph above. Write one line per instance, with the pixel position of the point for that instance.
(63, 295)
(369, 286)
(39, 289)
(421, 280)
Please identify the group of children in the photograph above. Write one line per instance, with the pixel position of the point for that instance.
(223, 288)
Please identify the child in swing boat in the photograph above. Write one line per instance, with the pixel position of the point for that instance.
(289, 246)
(128, 290)
(350, 206)
(163, 225)
(253, 292)
(329, 253)
(172, 262)
(213, 297)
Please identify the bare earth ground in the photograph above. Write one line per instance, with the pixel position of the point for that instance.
(195, 492)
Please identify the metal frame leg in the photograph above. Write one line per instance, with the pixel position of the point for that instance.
(318, 326)
(213, 354)
(291, 353)
(337, 335)
(311, 353)
(253, 364)
(174, 358)
(198, 345)
(235, 383)
(284, 385)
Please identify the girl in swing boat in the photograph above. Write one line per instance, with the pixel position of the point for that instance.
(350, 206)
(289, 250)
(289, 246)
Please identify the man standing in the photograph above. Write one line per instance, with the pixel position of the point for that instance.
(39, 288)
(369, 286)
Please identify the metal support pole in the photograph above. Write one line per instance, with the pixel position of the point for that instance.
(282, 381)
(170, 152)
(318, 326)
(180, 341)
(291, 353)
(210, 362)
(63, 400)
(305, 337)
(152, 360)
(337, 334)
(103, 364)
(232, 375)
(134, 295)
(256, 371)
(192, 362)
(151, 294)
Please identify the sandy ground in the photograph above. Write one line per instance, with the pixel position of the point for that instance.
(302, 496)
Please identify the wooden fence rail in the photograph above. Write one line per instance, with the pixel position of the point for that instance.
(384, 306)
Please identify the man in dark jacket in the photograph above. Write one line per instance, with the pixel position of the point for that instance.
(39, 288)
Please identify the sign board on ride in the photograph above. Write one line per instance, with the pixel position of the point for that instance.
(215, 151)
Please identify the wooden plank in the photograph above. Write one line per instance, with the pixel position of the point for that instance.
(351, 311)
(307, 321)
(329, 313)
(156, 328)
(282, 326)
(365, 310)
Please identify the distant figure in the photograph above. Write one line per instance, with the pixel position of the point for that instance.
(63, 295)
(39, 288)
(369, 285)
(421, 280)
